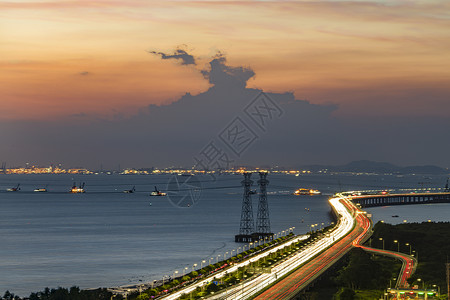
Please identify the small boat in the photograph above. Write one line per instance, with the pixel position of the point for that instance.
(41, 190)
(77, 189)
(309, 192)
(14, 189)
(157, 193)
(130, 191)
(395, 216)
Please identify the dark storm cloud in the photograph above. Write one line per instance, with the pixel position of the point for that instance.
(171, 135)
(186, 58)
(223, 75)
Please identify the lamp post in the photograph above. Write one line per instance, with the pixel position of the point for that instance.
(419, 280)
(184, 271)
(381, 239)
(398, 245)
(408, 244)
(201, 264)
(225, 255)
(390, 282)
(217, 258)
(237, 251)
(193, 266)
(174, 272)
(210, 260)
(140, 287)
(439, 289)
(231, 254)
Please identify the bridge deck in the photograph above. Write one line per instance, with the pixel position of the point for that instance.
(401, 199)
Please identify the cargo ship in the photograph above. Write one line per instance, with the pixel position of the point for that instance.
(308, 192)
(14, 189)
(157, 193)
(77, 189)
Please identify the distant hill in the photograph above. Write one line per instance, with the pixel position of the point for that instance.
(367, 166)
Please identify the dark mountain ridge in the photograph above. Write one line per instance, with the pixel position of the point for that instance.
(367, 166)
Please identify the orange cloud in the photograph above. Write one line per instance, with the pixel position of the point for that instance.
(328, 52)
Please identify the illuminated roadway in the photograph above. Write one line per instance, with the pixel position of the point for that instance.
(290, 286)
(233, 268)
(300, 269)
(314, 259)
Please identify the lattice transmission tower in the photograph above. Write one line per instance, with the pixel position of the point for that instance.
(247, 226)
(263, 219)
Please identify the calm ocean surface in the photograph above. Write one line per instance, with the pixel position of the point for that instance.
(106, 238)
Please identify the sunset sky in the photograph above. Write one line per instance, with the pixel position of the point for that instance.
(62, 60)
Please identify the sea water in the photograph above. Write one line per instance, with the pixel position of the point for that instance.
(107, 238)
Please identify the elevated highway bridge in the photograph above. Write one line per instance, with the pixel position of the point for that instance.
(400, 199)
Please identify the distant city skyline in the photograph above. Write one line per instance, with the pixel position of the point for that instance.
(152, 83)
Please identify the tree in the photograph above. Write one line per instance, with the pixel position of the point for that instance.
(346, 294)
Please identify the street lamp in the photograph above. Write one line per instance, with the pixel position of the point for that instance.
(381, 239)
(398, 245)
(210, 260)
(237, 251)
(390, 282)
(184, 270)
(439, 289)
(231, 254)
(408, 244)
(174, 272)
(419, 280)
(201, 264)
(225, 255)
(193, 266)
(217, 258)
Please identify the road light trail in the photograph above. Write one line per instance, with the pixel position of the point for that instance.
(305, 256)
(353, 228)
(233, 268)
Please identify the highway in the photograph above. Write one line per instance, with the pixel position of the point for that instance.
(233, 268)
(311, 267)
(298, 280)
(288, 277)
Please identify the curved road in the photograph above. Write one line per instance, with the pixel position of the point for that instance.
(291, 285)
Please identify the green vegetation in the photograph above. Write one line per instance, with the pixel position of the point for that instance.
(429, 243)
(362, 275)
(74, 293)
(229, 279)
